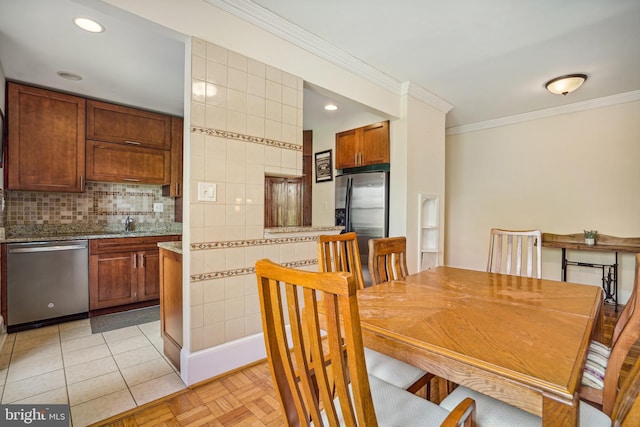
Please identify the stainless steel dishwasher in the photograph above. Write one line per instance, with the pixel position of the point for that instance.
(47, 282)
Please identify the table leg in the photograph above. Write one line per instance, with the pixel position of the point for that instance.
(556, 413)
(564, 264)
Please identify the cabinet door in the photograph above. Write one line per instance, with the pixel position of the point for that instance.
(121, 163)
(148, 275)
(113, 279)
(375, 144)
(347, 149)
(174, 189)
(46, 146)
(116, 123)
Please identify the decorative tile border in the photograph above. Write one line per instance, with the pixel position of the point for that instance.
(246, 138)
(247, 270)
(245, 243)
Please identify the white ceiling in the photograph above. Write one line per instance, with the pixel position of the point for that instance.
(489, 59)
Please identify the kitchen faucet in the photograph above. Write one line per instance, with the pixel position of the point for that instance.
(127, 224)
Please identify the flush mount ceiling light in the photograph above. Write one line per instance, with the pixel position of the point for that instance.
(330, 107)
(565, 84)
(69, 76)
(88, 25)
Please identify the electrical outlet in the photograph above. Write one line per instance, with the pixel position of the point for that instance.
(207, 191)
(158, 207)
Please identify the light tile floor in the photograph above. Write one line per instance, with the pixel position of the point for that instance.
(98, 375)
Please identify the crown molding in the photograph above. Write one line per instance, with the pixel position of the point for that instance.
(272, 23)
(417, 91)
(606, 101)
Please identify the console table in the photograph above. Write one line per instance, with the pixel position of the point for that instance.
(604, 243)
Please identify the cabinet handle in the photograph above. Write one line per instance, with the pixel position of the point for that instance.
(81, 183)
(141, 261)
(132, 179)
(355, 159)
(135, 261)
(133, 142)
(177, 188)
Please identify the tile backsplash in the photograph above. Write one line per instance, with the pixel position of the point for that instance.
(102, 204)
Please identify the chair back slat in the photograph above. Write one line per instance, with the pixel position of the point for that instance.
(318, 358)
(626, 410)
(387, 259)
(340, 252)
(526, 247)
(629, 333)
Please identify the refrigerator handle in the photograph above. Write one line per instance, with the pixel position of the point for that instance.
(347, 205)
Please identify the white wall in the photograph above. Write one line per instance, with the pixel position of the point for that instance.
(560, 174)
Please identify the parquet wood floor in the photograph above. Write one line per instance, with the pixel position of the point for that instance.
(246, 398)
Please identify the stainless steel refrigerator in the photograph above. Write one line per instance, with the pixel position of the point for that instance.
(362, 206)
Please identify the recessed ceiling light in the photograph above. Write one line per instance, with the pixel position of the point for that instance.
(69, 76)
(330, 107)
(89, 25)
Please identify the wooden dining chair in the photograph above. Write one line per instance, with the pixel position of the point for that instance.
(338, 253)
(322, 380)
(387, 259)
(601, 375)
(625, 411)
(509, 249)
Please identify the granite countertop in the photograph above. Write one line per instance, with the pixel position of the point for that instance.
(84, 232)
(171, 246)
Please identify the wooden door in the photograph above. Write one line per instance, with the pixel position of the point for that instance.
(116, 123)
(375, 144)
(113, 279)
(307, 177)
(148, 275)
(46, 145)
(347, 149)
(121, 163)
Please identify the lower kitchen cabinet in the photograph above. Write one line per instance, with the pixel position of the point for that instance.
(171, 304)
(124, 271)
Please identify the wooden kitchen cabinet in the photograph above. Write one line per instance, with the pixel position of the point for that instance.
(174, 189)
(125, 125)
(124, 271)
(171, 304)
(121, 163)
(368, 145)
(46, 144)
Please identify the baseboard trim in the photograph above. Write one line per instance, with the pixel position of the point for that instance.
(214, 361)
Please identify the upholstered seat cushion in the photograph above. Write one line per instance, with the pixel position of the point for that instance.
(491, 412)
(391, 370)
(396, 407)
(596, 365)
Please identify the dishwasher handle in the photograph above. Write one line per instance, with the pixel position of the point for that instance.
(45, 249)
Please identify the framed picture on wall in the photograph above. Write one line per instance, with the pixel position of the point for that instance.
(324, 166)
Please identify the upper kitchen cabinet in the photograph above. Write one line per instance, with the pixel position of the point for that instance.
(116, 123)
(368, 145)
(46, 144)
(174, 189)
(126, 144)
(120, 163)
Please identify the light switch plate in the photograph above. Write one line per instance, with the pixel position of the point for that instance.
(158, 207)
(207, 191)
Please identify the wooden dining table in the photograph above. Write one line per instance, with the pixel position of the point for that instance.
(520, 340)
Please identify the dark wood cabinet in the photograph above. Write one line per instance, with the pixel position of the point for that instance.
(46, 144)
(124, 271)
(171, 304)
(174, 189)
(368, 145)
(125, 125)
(120, 163)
